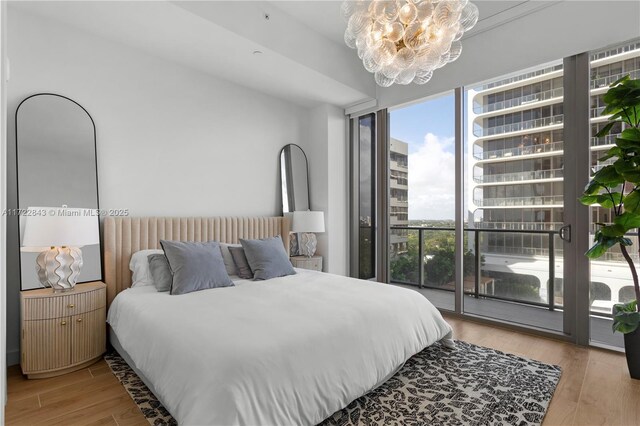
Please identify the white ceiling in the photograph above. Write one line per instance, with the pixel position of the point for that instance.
(304, 58)
(323, 16)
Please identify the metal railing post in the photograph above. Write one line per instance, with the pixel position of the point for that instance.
(420, 257)
(476, 246)
(552, 271)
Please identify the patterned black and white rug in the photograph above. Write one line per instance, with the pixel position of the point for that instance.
(470, 385)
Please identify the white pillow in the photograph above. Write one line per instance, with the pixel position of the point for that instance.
(139, 265)
(229, 264)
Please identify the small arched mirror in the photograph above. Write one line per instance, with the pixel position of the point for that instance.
(294, 178)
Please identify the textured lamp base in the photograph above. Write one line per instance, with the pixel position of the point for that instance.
(59, 267)
(308, 243)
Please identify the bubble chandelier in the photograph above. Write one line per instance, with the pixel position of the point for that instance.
(404, 41)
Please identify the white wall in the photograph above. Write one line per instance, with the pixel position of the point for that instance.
(326, 148)
(563, 29)
(171, 141)
(3, 204)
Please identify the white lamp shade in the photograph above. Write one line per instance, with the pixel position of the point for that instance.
(308, 221)
(60, 226)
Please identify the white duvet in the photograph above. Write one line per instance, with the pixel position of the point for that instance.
(287, 351)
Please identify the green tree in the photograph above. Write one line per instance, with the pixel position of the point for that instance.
(404, 267)
(441, 268)
(617, 187)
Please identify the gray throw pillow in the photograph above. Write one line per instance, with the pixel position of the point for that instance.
(267, 258)
(160, 272)
(240, 260)
(195, 266)
(228, 258)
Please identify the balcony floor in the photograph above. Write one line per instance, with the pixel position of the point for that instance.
(516, 313)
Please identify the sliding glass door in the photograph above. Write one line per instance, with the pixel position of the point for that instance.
(515, 197)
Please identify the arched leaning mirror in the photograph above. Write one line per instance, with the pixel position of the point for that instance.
(57, 175)
(294, 178)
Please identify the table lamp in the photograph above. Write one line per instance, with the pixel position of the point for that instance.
(307, 223)
(58, 233)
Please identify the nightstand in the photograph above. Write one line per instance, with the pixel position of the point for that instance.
(62, 332)
(313, 263)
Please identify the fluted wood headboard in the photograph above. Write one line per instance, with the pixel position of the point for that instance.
(124, 236)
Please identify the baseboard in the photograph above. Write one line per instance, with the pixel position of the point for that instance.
(13, 358)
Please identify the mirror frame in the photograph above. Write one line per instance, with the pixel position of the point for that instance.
(95, 159)
(306, 161)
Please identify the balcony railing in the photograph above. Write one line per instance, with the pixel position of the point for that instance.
(520, 201)
(596, 112)
(524, 150)
(601, 82)
(602, 164)
(523, 125)
(398, 165)
(521, 77)
(520, 226)
(481, 284)
(612, 52)
(520, 176)
(606, 140)
(522, 100)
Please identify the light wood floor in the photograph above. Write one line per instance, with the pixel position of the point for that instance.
(595, 388)
(92, 396)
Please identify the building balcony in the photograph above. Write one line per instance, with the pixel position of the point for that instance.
(604, 82)
(615, 54)
(397, 239)
(394, 221)
(399, 202)
(399, 184)
(596, 112)
(520, 226)
(516, 127)
(546, 200)
(521, 77)
(522, 100)
(515, 152)
(606, 140)
(601, 164)
(395, 165)
(520, 176)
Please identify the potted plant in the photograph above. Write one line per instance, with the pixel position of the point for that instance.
(617, 187)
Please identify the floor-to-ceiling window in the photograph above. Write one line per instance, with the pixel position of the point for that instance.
(525, 164)
(610, 276)
(364, 154)
(514, 196)
(422, 190)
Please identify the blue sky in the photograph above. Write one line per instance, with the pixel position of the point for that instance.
(436, 116)
(429, 129)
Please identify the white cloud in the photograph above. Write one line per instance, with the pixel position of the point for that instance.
(432, 180)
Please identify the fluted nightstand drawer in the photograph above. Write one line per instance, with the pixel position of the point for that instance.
(62, 332)
(313, 263)
(45, 304)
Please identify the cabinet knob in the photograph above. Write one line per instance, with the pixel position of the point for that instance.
(71, 305)
(63, 323)
(79, 320)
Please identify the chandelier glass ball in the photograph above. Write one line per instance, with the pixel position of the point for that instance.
(404, 41)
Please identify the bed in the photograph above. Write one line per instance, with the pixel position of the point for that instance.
(290, 350)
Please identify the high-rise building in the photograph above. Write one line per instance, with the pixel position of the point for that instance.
(516, 156)
(399, 195)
